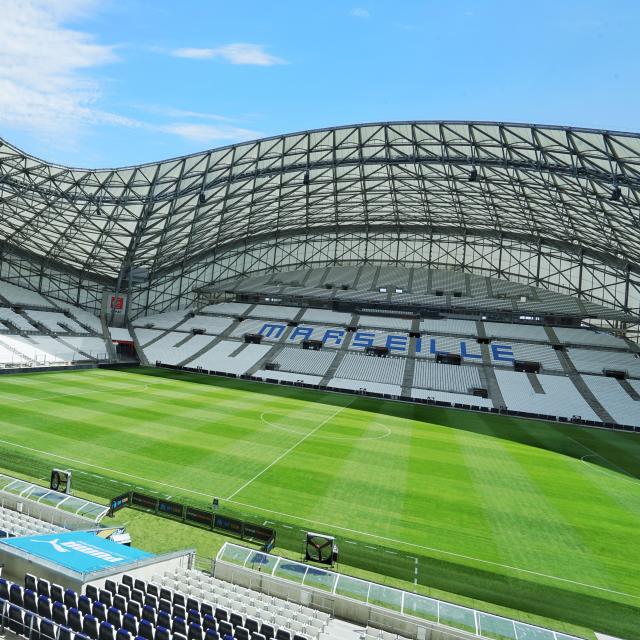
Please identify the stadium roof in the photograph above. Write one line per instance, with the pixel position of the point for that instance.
(574, 189)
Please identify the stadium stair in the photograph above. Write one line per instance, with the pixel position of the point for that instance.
(409, 368)
(535, 383)
(136, 343)
(582, 387)
(331, 371)
(492, 386)
(551, 335)
(214, 341)
(633, 394)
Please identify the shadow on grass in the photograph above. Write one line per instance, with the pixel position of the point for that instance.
(580, 443)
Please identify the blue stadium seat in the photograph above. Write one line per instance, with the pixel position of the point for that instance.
(74, 619)
(149, 614)
(192, 603)
(99, 610)
(91, 591)
(225, 628)
(145, 630)
(241, 633)
(206, 609)
(90, 626)
(4, 589)
(180, 611)
(193, 616)
(59, 613)
(120, 603)
(195, 632)
(16, 594)
(114, 616)
(164, 619)
(179, 626)
(209, 622)
(64, 633)
(130, 623)
(162, 633)
(30, 600)
(31, 626)
(44, 587)
(84, 604)
(47, 630)
(211, 634)
(165, 605)
(151, 601)
(179, 599)
(30, 582)
(70, 599)
(57, 593)
(106, 631)
(106, 597)
(123, 634)
(134, 609)
(16, 619)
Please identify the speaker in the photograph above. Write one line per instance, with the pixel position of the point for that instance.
(60, 481)
(320, 548)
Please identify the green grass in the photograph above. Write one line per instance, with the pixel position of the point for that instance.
(531, 516)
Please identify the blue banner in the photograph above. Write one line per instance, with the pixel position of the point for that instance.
(79, 551)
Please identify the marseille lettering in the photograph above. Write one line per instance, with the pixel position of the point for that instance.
(466, 348)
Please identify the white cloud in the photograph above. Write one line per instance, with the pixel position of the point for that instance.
(210, 134)
(360, 12)
(236, 53)
(49, 85)
(43, 82)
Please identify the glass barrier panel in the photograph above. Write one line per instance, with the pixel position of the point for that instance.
(261, 562)
(320, 579)
(386, 597)
(459, 617)
(496, 627)
(293, 571)
(352, 588)
(527, 632)
(53, 498)
(234, 555)
(421, 607)
(564, 636)
(90, 510)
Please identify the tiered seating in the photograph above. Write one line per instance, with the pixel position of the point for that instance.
(39, 349)
(618, 403)
(305, 361)
(595, 361)
(94, 347)
(593, 338)
(445, 377)
(227, 308)
(369, 387)
(371, 369)
(560, 397)
(544, 354)
(273, 312)
(86, 318)
(382, 322)
(251, 326)
(452, 398)
(14, 523)
(182, 606)
(56, 322)
(209, 324)
(164, 321)
(19, 296)
(287, 376)
(326, 316)
(457, 327)
(15, 319)
(231, 357)
(516, 331)
(10, 357)
(175, 347)
(441, 344)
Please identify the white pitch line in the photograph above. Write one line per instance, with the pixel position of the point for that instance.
(386, 434)
(287, 452)
(328, 524)
(134, 389)
(598, 455)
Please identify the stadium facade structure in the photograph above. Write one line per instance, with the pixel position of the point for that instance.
(554, 207)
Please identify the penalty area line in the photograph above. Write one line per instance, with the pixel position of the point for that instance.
(330, 525)
(287, 452)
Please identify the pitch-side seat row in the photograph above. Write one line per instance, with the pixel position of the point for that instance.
(93, 618)
(247, 598)
(281, 625)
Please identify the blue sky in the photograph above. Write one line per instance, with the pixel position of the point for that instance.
(115, 82)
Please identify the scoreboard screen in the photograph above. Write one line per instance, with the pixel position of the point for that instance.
(228, 524)
(119, 502)
(172, 508)
(141, 500)
(263, 534)
(198, 516)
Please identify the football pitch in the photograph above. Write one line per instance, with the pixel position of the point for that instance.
(534, 516)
